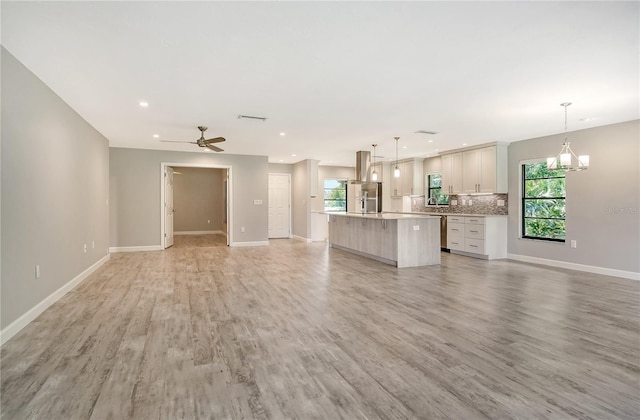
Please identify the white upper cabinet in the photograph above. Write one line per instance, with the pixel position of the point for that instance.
(482, 170)
(452, 173)
(479, 170)
(411, 179)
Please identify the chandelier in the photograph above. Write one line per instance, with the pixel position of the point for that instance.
(567, 160)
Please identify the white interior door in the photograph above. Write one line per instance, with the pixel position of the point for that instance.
(279, 205)
(168, 207)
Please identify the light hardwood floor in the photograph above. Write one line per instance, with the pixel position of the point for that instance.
(298, 330)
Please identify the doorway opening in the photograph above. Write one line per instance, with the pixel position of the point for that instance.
(193, 214)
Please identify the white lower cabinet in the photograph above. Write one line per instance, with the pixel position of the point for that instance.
(477, 236)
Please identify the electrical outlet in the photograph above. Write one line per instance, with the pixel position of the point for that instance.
(464, 202)
(470, 202)
(209, 221)
(416, 227)
(574, 243)
(500, 203)
(242, 229)
(37, 271)
(85, 248)
(454, 202)
(93, 244)
(257, 202)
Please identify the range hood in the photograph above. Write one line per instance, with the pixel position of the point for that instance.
(363, 167)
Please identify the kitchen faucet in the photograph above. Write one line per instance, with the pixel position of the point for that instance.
(435, 201)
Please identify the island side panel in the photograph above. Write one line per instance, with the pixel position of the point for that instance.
(374, 238)
(418, 247)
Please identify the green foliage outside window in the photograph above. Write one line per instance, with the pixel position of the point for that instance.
(435, 191)
(335, 195)
(543, 202)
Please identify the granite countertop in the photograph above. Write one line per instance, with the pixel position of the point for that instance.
(386, 216)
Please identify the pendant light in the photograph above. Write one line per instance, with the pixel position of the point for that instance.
(374, 174)
(396, 171)
(564, 161)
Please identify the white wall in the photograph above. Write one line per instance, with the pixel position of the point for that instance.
(135, 194)
(55, 184)
(329, 172)
(603, 202)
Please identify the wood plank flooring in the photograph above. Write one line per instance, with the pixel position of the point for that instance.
(302, 331)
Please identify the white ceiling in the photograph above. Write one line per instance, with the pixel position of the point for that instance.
(334, 76)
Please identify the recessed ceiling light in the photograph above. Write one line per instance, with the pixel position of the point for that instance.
(437, 150)
(430, 141)
(585, 119)
(281, 160)
(156, 136)
(143, 104)
(283, 134)
(404, 147)
(464, 144)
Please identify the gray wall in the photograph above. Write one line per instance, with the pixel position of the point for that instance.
(135, 193)
(280, 168)
(198, 199)
(300, 205)
(603, 202)
(55, 183)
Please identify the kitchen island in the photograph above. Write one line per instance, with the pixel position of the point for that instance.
(403, 240)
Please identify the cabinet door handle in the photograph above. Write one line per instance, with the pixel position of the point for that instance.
(473, 246)
(454, 230)
(473, 231)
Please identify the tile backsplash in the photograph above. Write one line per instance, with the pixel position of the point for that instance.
(480, 204)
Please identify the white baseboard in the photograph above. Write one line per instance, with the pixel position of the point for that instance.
(17, 325)
(255, 243)
(579, 267)
(300, 238)
(199, 232)
(115, 249)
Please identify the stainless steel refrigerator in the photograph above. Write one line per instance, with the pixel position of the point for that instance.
(371, 197)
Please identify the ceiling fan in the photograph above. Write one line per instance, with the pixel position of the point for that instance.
(202, 142)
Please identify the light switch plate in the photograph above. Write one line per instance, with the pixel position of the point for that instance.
(454, 202)
(500, 203)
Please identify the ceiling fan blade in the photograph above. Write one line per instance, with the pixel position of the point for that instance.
(215, 140)
(174, 141)
(214, 148)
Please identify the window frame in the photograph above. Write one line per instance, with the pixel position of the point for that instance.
(429, 188)
(523, 199)
(325, 189)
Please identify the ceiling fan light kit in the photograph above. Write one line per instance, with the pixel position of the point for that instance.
(564, 161)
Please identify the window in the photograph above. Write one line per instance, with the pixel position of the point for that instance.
(335, 195)
(543, 202)
(434, 190)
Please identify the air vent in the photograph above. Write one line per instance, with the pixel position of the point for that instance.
(251, 117)
(425, 132)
